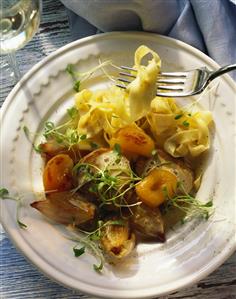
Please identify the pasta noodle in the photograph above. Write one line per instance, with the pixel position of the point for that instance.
(105, 111)
(179, 132)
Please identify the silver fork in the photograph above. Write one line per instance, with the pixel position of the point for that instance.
(179, 84)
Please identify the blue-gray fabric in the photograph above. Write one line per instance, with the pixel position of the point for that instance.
(209, 25)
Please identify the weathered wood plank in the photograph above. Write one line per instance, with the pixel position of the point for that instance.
(18, 278)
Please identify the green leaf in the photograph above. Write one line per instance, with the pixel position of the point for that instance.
(178, 116)
(100, 186)
(70, 69)
(185, 123)
(49, 126)
(99, 267)
(83, 137)
(119, 222)
(77, 86)
(3, 193)
(95, 237)
(209, 204)
(37, 148)
(72, 136)
(79, 251)
(206, 216)
(93, 145)
(26, 131)
(21, 224)
(117, 149)
(93, 189)
(72, 112)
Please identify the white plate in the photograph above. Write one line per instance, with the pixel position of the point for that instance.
(192, 251)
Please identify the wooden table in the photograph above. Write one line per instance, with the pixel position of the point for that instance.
(18, 278)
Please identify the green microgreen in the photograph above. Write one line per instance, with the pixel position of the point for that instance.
(117, 149)
(185, 123)
(70, 69)
(4, 194)
(83, 137)
(178, 116)
(78, 251)
(190, 205)
(28, 135)
(79, 77)
(72, 112)
(76, 86)
(90, 241)
(98, 268)
(21, 224)
(66, 133)
(110, 184)
(93, 145)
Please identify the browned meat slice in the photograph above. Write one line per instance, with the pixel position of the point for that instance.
(148, 222)
(181, 169)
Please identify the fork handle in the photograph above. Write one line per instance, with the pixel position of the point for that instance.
(222, 70)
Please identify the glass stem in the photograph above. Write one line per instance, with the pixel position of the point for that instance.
(14, 65)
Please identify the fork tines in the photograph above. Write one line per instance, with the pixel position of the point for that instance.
(165, 81)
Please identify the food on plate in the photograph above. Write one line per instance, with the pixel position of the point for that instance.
(66, 208)
(122, 162)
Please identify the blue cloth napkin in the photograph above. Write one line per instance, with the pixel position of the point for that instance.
(209, 25)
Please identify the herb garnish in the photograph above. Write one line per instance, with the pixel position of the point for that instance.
(77, 86)
(65, 133)
(185, 123)
(72, 112)
(117, 149)
(78, 251)
(4, 194)
(27, 134)
(79, 77)
(178, 116)
(71, 71)
(191, 206)
(93, 145)
(110, 184)
(90, 241)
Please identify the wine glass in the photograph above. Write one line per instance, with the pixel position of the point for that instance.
(19, 21)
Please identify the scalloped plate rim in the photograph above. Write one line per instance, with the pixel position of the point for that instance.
(60, 277)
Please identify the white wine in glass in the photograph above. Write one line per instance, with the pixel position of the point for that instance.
(19, 21)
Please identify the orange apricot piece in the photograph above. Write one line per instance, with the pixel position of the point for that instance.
(156, 187)
(133, 141)
(57, 175)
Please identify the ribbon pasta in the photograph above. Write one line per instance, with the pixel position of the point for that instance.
(180, 133)
(105, 111)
